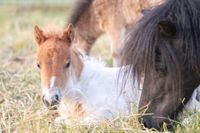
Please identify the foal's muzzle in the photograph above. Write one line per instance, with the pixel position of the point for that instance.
(51, 103)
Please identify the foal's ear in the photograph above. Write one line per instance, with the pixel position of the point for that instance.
(167, 28)
(39, 35)
(68, 34)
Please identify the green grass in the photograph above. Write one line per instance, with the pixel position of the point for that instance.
(21, 109)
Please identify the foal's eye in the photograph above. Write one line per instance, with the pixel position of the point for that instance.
(38, 65)
(67, 65)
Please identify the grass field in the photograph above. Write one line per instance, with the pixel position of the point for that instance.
(21, 109)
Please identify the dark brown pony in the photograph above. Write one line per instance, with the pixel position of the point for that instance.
(92, 18)
(164, 49)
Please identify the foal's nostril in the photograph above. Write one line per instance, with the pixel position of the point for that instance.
(52, 103)
(46, 103)
(57, 98)
(55, 102)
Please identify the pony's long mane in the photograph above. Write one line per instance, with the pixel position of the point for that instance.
(80, 7)
(140, 49)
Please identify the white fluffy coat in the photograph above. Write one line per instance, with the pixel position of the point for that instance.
(99, 91)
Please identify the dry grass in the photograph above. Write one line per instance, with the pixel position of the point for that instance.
(21, 109)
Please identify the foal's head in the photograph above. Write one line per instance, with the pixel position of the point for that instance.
(54, 59)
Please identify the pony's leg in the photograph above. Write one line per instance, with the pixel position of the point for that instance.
(84, 43)
(116, 36)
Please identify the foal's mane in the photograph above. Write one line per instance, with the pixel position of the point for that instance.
(140, 48)
(80, 7)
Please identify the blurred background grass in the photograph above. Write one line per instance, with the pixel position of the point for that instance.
(21, 109)
(17, 19)
(60, 2)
